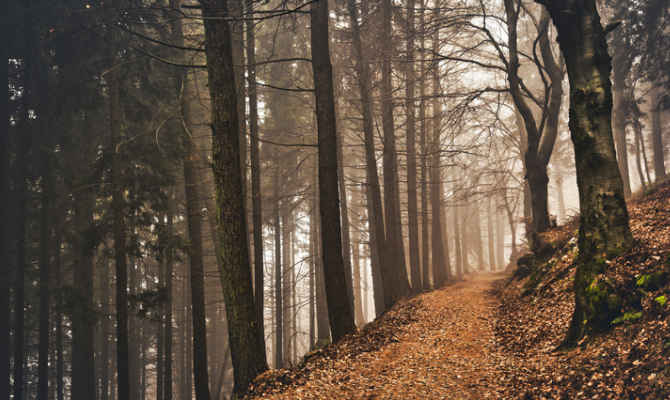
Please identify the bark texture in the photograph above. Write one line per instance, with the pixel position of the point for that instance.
(604, 230)
(339, 311)
(246, 353)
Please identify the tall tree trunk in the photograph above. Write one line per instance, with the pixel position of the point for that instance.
(339, 313)
(425, 239)
(19, 279)
(160, 330)
(540, 140)
(657, 137)
(440, 274)
(247, 355)
(119, 230)
(279, 306)
(167, 371)
(58, 221)
(194, 223)
(619, 125)
(105, 359)
(5, 213)
(458, 257)
(477, 232)
(255, 174)
(465, 267)
(638, 162)
(559, 194)
(500, 239)
(46, 240)
(344, 216)
(83, 317)
(393, 235)
(490, 239)
(133, 321)
(287, 271)
(392, 290)
(375, 268)
(603, 227)
(412, 207)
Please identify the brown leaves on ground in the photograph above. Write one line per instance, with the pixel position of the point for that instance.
(468, 341)
(434, 346)
(630, 361)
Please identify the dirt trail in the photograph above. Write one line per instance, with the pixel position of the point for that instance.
(444, 353)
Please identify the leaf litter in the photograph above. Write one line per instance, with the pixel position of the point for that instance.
(480, 339)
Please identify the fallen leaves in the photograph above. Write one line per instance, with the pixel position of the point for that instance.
(480, 340)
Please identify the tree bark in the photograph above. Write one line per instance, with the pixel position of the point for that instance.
(490, 238)
(279, 306)
(394, 241)
(46, 240)
(5, 213)
(344, 216)
(391, 292)
(425, 239)
(657, 137)
(167, 370)
(604, 228)
(539, 139)
(257, 210)
(83, 318)
(246, 352)
(412, 206)
(339, 313)
(119, 230)
(440, 272)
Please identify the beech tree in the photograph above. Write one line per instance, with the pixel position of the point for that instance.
(603, 223)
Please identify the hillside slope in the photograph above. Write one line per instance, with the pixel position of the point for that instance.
(486, 337)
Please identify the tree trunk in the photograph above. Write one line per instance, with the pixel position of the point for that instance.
(391, 290)
(105, 359)
(603, 227)
(477, 242)
(440, 274)
(500, 239)
(390, 166)
(279, 306)
(167, 370)
(375, 268)
(247, 354)
(490, 239)
(657, 137)
(344, 216)
(425, 239)
(5, 213)
(46, 240)
(119, 230)
(458, 257)
(539, 140)
(83, 318)
(194, 223)
(619, 125)
(412, 207)
(257, 210)
(339, 313)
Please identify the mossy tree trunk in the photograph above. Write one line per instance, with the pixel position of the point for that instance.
(247, 355)
(604, 229)
(340, 314)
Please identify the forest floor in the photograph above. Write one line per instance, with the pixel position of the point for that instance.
(486, 337)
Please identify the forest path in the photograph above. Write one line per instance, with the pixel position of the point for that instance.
(445, 352)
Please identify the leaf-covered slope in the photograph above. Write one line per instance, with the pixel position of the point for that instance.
(630, 361)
